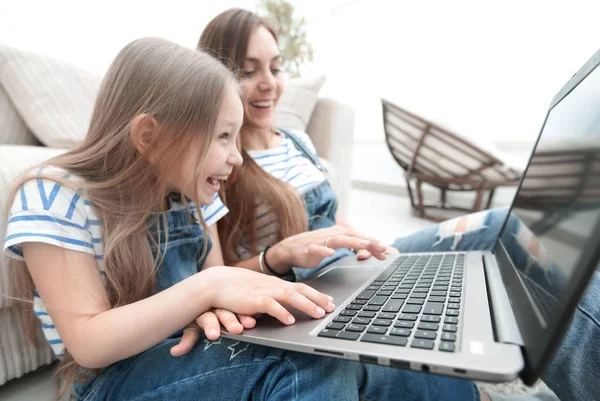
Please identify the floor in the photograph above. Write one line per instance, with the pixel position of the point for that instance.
(378, 214)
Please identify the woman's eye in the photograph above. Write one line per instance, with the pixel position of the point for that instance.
(275, 71)
(248, 74)
(224, 135)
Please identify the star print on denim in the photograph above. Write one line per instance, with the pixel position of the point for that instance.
(234, 351)
(211, 343)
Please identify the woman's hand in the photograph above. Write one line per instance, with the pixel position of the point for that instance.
(310, 248)
(365, 254)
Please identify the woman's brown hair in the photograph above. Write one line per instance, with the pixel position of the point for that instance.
(227, 37)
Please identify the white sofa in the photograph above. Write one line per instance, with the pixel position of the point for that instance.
(45, 106)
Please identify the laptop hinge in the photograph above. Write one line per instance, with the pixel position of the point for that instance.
(505, 324)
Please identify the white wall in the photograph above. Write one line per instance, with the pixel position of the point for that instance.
(484, 69)
(89, 34)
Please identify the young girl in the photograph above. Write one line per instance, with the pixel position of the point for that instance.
(112, 261)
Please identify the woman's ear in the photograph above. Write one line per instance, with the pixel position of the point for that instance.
(142, 132)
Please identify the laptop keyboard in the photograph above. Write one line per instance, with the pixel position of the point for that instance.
(415, 302)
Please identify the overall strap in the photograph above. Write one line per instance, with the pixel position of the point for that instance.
(304, 149)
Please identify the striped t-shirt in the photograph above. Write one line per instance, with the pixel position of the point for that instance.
(288, 164)
(46, 211)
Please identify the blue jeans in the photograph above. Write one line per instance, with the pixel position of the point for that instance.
(233, 370)
(573, 372)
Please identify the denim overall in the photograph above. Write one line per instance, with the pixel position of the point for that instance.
(233, 370)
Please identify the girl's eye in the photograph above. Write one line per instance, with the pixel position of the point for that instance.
(275, 71)
(224, 135)
(248, 74)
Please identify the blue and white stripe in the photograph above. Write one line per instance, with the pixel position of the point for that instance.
(46, 211)
(288, 164)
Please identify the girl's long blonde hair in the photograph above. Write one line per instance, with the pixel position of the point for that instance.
(182, 90)
(227, 37)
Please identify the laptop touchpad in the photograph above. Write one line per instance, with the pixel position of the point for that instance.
(341, 281)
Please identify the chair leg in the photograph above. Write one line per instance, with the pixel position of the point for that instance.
(420, 196)
(490, 197)
(410, 193)
(478, 199)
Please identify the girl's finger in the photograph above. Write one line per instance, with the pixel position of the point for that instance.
(291, 297)
(187, 342)
(247, 321)
(209, 322)
(268, 305)
(230, 321)
(323, 300)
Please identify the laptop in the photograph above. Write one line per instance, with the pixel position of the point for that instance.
(478, 315)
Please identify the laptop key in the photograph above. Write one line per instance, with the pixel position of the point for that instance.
(452, 312)
(385, 315)
(377, 300)
(399, 296)
(411, 309)
(348, 335)
(348, 313)
(372, 308)
(377, 330)
(446, 346)
(451, 319)
(356, 327)
(430, 318)
(366, 314)
(428, 326)
(430, 335)
(437, 299)
(366, 294)
(455, 294)
(400, 332)
(336, 326)
(382, 322)
(438, 293)
(391, 340)
(385, 293)
(361, 320)
(359, 301)
(448, 337)
(433, 308)
(404, 324)
(415, 301)
(419, 295)
(393, 305)
(353, 307)
(453, 306)
(449, 327)
(454, 300)
(342, 319)
(422, 343)
(407, 316)
(328, 333)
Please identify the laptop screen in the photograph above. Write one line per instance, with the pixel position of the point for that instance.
(556, 209)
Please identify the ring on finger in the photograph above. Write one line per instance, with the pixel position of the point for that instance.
(326, 241)
(192, 328)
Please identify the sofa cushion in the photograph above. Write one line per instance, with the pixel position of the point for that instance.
(13, 130)
(53, 98)
(298, 102)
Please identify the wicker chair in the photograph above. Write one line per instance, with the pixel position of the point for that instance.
(431, 154)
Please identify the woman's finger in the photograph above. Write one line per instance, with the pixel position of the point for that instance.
(363, 254)
(230, 321)
(186, 343)
(209, 323)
